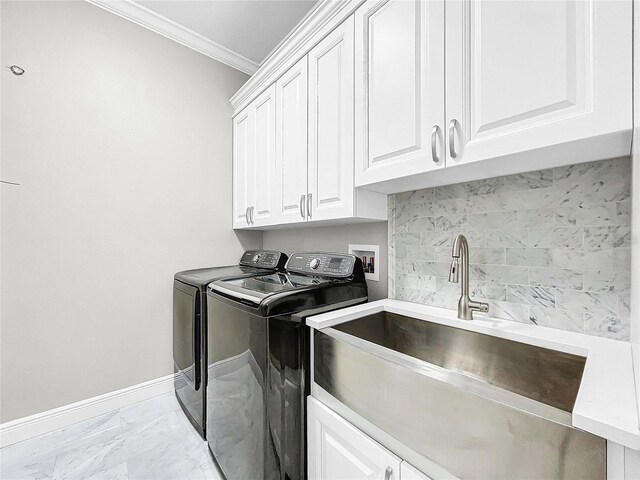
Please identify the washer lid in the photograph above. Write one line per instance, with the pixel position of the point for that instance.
(201, 277)
(252, 262)
(256, 288)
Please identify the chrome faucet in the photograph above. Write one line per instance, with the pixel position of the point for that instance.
(466, 306)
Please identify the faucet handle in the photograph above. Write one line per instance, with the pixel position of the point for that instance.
(481, 307)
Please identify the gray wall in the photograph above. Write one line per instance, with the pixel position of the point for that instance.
(635, 209)
(336, 239)
(550, 247)
(121, 142)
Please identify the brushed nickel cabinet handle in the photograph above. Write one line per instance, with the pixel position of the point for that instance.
(387, 473)
(452, 131)
(246, 216)
(309, 205)
(251, 216)
(302, 206)
(434, 143)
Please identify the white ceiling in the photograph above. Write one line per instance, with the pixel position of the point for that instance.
(249, 28)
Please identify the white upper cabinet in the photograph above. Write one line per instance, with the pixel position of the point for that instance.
(331, 192)
(254, 162)
(291, 144)
(244, 168)
(338, 451)
(523, 75)
(263, 212)
(399, 78)
(398, 96)
(529, 84)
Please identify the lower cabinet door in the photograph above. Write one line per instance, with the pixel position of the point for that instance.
(409, 472)
(339, 451)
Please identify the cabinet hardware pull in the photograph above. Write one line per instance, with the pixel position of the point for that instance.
(251, 215)
(434, 143)
(452, 131)
(302, 206)
(246, 216)
(387, 473)
(309, 205)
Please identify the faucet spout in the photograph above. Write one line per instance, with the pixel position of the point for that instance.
(460, 245)
(460, 254)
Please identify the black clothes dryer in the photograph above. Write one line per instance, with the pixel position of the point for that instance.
(190, 326)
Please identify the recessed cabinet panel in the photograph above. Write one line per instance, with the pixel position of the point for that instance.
(331, 125)
(409, 472)
(499, 84)
(291, 143)
(399, 78)
(529, 74)
(337, 450)
(394, 100)
(243, 168)
(265, 153)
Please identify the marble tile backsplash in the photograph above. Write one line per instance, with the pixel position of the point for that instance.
(550, 247)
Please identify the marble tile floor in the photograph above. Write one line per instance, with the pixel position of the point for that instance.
(149, 440)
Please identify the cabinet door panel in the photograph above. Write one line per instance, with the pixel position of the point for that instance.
(331, 125)
(265, 158)
(339, 451)
(291, 143)
(243, 167)
(399, 79)
(529, 74)
(409, 472)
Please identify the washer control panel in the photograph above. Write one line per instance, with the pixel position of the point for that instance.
(321, 264)
(263, 259)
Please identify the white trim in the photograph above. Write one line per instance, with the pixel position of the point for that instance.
(320, 21)
(44, 422)
(615, 461)
(176, 32)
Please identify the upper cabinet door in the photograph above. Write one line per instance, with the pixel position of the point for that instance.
(331, 190)
(291, 144)
(263, 110)
(399, 97)
(243, 168)
(529, 74)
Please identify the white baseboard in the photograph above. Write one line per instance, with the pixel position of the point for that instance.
(44, 422)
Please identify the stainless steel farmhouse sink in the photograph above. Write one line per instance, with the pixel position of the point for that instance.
(480, 406)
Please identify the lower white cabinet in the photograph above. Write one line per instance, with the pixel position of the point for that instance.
(409, 472)
(339, 451)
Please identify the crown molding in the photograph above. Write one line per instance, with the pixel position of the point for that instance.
(322, 19)
(157, 23)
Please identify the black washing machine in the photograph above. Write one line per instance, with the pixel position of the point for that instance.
(258, 361)
(190, 326)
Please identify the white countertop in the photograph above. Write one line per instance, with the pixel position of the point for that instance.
(606, 404)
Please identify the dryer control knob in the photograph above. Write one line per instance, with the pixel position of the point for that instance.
(257, 258)
(315, 263)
